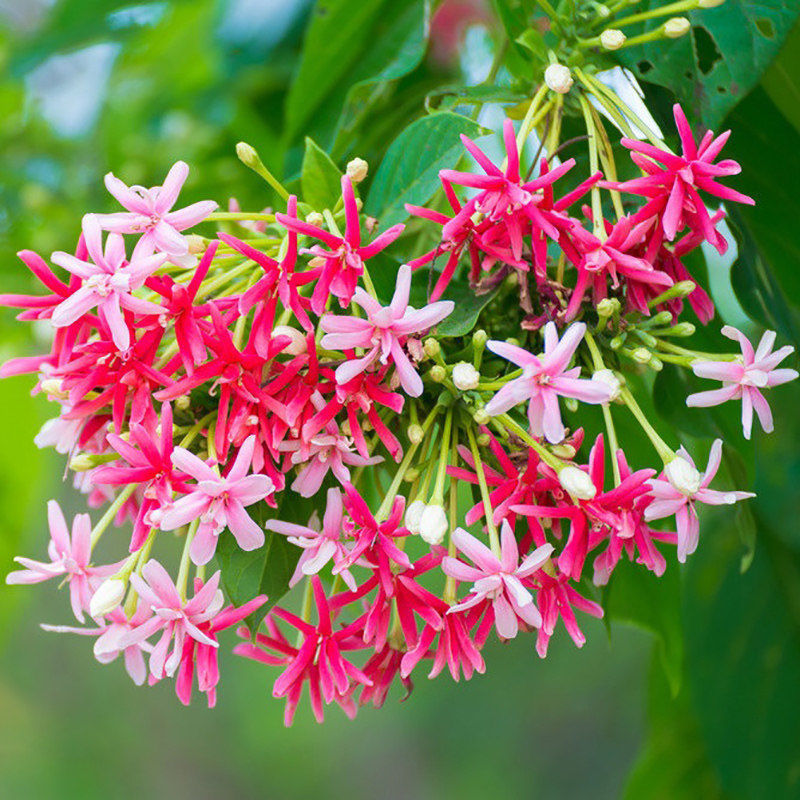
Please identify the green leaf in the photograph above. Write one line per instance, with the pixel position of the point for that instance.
(782, 80)
(409, 172)
(722, 59)
(246, 574)
(468, 307)
(638, 597)
(320, 179)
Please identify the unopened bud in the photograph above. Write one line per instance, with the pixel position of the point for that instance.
(297, 343)
(558, 78)
(564, 450)
(82, 463)
(662, 318)
(182, 402)
(608, 378)
(608, 306)
(53, 387)
(683, 329)
(415, 434)
(571, 404)
(432, 348)
(413, 516)
(433, 524)
(317, 261)
(483, 439)
(481, 416)
(438, 374)
(577, 484)
(465, 376)
(479, 338)
(709, 3)
(411, 475)
(197, 244)
(357, 170)
(247, 155)
(683, 476)
(315, 218)
(107, 597)
(612, 39)
(676, 27)
(641, 355)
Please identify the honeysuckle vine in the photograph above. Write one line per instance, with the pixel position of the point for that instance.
(406, 442)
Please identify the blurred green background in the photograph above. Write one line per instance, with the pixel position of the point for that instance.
(87, 87)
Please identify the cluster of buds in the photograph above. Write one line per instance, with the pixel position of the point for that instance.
(423, 477)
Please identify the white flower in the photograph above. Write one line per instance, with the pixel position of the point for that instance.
(433, 524)
(558, 78)
(414, 514)
(465, 376)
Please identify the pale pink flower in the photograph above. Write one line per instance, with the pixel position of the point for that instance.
(108, 282)
(218, 502)
(69, 557)
(744, 378)
(383, 332)
(319, 546)
(680, 500)
(174, 617)
(544, 379)
(498, 579)
(150, 214)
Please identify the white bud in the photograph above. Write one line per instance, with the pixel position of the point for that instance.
(54, 388)
(315, 218)
(612, 39)
(107, 597)
(683, 476)
(197, 244)
(183, 402)
(357, 170)
(298, 341)
(481, 416)
(709, 3)
(577, 483)
(676, 27)
(607, 377)
(247, 154)
(433, 524)
(558, 78)
(465, 376)
(414, 515)
(82, 462)
(415, 433)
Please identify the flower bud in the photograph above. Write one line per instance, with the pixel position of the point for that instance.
(709, 3)
(683, 329)
(315, 218)
(558, 78)
(438, 373)
(247, 155)
(676, 27)
(641, 355)
(465, 376)
(413, 516)
(432, 348)
(297, 345)
(683, 476)
(107, 597)
(483, 439)
(612, 39)
(412, 473)
(182, 402)
(608, 306)
(415, 433)
(662, 318)
(53, 387)
(357, 170)
(571, 404)
(83, 462)
(479, 338)
(607, 377)
(577, 483)
(564, 450)
(433, 524)
(481, 416)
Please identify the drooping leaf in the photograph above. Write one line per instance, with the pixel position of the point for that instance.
(409, 173)
(320, 179)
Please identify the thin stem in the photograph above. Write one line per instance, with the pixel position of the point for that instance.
(111, 512)
(488, 511)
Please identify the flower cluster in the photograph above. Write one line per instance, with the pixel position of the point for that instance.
(255, 397)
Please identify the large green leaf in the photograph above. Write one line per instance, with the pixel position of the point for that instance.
(721, 60)
(468, 307)
(782, 80)
(320, 178)
(409, 173)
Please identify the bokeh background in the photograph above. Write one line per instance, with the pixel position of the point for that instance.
(701, 699)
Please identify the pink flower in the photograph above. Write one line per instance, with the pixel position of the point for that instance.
(744, 378)
(684, 487)
(383, 332)
(344, 260)
(544, 379)
(319, 546)
(108, 283)
(69, 556)
(149, 213)
(176, 618)
(498, 580)
(218, 502)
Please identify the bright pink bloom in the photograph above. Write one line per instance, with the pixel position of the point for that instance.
(108, 283)
(383, 332)
(744, 378)
(344, 260)
(150, 214)
(319, 546)
(498, 580)
(174, 617)
(544, 379)
(69, 557)
(680, 500)
(218, 502)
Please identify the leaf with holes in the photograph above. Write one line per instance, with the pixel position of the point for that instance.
(723, 57)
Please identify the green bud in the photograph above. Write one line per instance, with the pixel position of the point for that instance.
(432, 348)
(437, 373)
(641, 355)
(683, 329)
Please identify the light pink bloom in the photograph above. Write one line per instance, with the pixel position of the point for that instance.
(108, 644)
(108, 282)
(174, 617)
(149, 213)
(383, 332)
(669, 500)
(498, 579)
(544, 379)
(69, 556)
(218, 502)
(319, 546)
(744, 378)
